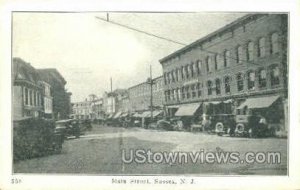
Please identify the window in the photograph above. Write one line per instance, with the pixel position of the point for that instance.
(262, 78)
(199, 63)
(26, 96)
(178, 74)
(173, 75)
(219, 61)
(182, 73)
(30, 96)
(183, 93)
(165, 78)
(275, 76)
(208, 64)
(34, 99)
(187, 71)
(274, 43)
(192, 69)
(226, 58)
(179, 94)
(239, 54)
(240, 82)
(187, 89)
(218, 86)
(250, 48)
(193, 91)
(199, 86)
(261, 47)
(216, 62)
(251, 80)
(195, 70)
(227, 84)
(209, 87)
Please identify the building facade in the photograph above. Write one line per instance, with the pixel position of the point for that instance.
(61, 98)
(47, 100)
(139, 95)
(245, 59)
(112, 101)
(27, 90)
(82, 110)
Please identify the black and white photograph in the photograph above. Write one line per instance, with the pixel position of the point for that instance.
(150, 98)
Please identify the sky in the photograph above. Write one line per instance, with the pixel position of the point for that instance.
(88, 51)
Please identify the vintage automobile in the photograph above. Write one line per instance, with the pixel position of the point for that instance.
(34, 137)
(68, 127)
(224, 124)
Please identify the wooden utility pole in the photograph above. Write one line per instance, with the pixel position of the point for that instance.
(151, 93)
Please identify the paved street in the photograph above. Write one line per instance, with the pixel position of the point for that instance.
(100, 152)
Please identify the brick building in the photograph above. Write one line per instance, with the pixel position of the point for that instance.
(243, 60)
(61, 98)
(139, 95)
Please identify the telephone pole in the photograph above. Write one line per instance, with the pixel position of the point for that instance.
(151, 93)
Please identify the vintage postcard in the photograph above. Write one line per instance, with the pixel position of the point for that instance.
(150, 98)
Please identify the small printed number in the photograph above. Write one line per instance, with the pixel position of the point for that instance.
(16, 181)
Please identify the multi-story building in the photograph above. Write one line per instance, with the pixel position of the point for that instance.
(61, 98)
(140, 95)
(82, 110)
(112, 101)
(243, 60)
(27, 90)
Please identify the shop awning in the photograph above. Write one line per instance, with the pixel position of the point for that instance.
(157, 113)
(146, 114)
(110, 116)
(117, 115)
(137, 114)
(187, 110)
(262, 102)
(124, 114)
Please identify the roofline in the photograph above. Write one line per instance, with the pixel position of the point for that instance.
(203, 39)
(144, 82)
(55, 70)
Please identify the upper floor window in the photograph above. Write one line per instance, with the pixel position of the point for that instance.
(262, 78)
(183, 92)
(187, 89)
(274, 43)
(195, 69)
(239, 54)
(192, 69)
(227, 84)
(199, 66)
(178, 94)
(226, 58)
(250, 50)
(240, 82)
(208, 64)
(209, 87)
(30, 98)
(275, 80)
(218, 86)
(251, 80)
(219, 61)
(173, 75)
(187, 75)
(261, 47)
(182, 73)
(216, 62)
(178, 74)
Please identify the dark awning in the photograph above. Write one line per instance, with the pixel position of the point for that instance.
(187, 109)
(118, 114)
(261, 102)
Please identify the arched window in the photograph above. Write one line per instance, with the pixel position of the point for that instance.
(274, 43)
(226, 58)
(261, 47)
(240, 82)
(209, 87)
(227, 84)
(251, 80)
(262, 78)
(275, 76)
(250, 49)
(218, 86)
(239, 54)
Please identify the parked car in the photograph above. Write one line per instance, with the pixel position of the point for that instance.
(224, 124)
(34, 137)
(68, 127)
